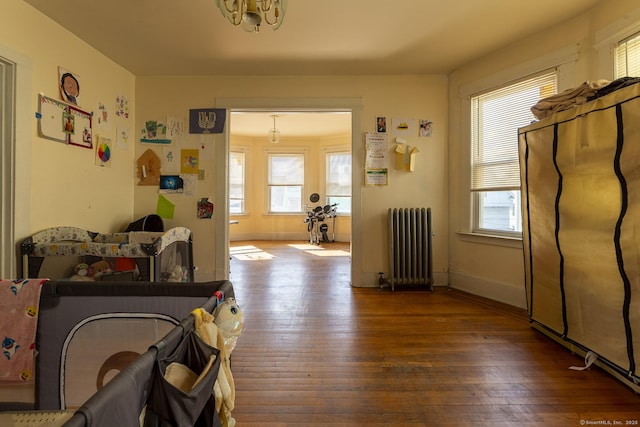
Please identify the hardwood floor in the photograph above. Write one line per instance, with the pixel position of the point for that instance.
(316, 352)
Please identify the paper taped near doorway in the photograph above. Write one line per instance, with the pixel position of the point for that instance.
(376, 160)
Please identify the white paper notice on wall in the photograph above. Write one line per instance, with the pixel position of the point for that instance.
(376, 162)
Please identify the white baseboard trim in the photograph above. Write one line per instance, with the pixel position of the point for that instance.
(290, 236)
(508, 293)
(370, 279)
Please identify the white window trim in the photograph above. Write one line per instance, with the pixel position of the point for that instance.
(563, 60)
(607, 40)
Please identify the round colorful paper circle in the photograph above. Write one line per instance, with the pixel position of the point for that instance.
(104, 152)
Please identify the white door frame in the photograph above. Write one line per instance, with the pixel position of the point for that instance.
(15, 161)
(352, 105)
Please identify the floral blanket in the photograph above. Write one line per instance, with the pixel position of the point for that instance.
(19, 303)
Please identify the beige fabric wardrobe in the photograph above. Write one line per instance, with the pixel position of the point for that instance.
(580, 171)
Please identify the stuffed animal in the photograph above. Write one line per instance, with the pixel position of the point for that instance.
(221, 330)
(80, 273)
(88, 273)
(230, 320)
(178, 274)
(99, 269)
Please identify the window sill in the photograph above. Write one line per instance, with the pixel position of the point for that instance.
(284, 213)
(490, 239)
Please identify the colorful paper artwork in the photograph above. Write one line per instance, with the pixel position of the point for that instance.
(165, 208)
(403, 126)
(69, 84)
(103, 151)
(175, 127)
(189, 161)
(171, 160)
(122, 107)
(64, 123)
(102, 117)
(171, 184)
(426, 128)
(205, 208)
(122, 137)
(154, 132)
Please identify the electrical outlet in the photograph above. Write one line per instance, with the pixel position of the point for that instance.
(201, 175)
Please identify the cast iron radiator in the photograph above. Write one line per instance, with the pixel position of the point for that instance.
(410, 247)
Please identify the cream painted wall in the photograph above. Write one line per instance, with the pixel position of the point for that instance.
(256, 223)
(64, 185)
(416, 97)
(494, 267)
(57, 184)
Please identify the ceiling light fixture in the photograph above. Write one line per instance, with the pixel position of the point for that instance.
(251, 13)
(274, 134)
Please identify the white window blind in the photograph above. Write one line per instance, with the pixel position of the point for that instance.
(338, 182)
(286, 180)
(236, 182)
(495, 119)
(628, 57)
(339, 174)
(286, 169)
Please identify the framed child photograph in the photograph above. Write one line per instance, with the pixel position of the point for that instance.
(80, 128)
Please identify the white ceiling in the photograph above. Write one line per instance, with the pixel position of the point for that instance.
(300, 124)
(322, 37)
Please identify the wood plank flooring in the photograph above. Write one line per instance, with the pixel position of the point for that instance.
(316, 352)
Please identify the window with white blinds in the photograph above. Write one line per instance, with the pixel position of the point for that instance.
(338, 183)
(495, 170)
(236, 182)
(286, 181)
(495, 119)
(628, 57)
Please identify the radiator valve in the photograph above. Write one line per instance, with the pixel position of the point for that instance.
(382, 282)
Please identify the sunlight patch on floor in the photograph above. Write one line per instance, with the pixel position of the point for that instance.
(318, 250)
(249, 253)
(305, 246)
(328, 253)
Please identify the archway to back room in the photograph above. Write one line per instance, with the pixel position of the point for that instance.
(290, 199)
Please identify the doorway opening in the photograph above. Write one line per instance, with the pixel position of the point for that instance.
(293, 191)
(336, 105)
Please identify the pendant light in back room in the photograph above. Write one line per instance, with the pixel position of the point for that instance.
(274, 134)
